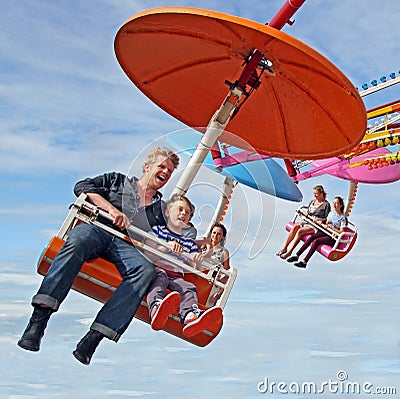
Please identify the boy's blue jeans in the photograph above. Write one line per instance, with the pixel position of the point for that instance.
(87, 242)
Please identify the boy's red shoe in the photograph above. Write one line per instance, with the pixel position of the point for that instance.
(196, 322)
(161, 311)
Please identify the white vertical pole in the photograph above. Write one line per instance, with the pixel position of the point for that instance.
(214, 130)
(227, 188)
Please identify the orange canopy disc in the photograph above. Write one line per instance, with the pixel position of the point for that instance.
(181, 57)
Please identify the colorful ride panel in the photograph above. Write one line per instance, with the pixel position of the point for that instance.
(362, 174)
(265, 175)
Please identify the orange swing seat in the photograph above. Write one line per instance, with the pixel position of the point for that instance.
(99, 278)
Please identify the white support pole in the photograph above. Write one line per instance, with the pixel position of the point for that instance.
(228, 185)
(351, 196)
(380, 86)
(214, 130)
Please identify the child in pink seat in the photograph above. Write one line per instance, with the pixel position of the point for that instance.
(168, 276)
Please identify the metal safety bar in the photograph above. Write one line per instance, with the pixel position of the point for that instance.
(209, 270)
(343, 237)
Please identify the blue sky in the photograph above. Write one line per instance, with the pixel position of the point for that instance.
(68, 111)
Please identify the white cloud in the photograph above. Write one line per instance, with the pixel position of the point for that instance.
(334, 354)
(7, 340)
(182, 372)
(23, 279)
(86, 322)
(175, 349)
(119, 392)
(11, 311)
(341, 301)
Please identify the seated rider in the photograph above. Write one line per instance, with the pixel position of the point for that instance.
(336, 222)
(217, 247)
(168, 276)
(130, 201)
(318, 209)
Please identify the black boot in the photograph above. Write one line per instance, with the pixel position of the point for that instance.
(33, 333)
(87, 345)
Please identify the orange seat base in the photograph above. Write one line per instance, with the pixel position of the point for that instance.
(99, 278)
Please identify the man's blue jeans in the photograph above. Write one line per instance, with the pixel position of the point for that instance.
(87, 242)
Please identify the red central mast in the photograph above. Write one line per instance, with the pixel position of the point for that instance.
(283, 16)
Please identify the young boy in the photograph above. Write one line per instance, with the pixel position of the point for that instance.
(184, 294)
